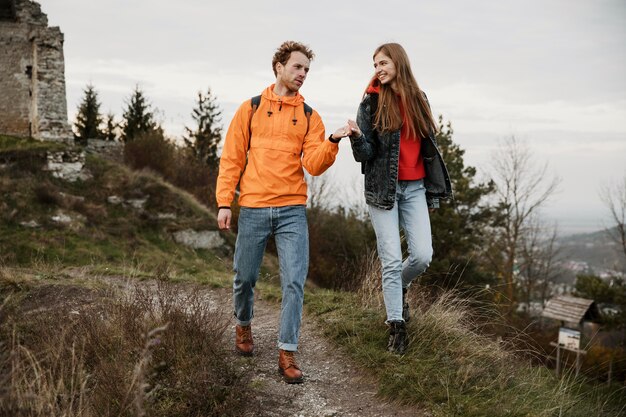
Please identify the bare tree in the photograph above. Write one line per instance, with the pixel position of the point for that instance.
(522, 187)
(614, 198)
(538, 266)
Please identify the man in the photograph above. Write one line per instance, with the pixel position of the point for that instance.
(267, 146)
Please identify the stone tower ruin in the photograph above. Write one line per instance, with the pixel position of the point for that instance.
(32, 74)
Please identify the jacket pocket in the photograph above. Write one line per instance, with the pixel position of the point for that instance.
(278, 144)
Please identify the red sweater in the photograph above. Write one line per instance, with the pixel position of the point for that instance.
(410, 163)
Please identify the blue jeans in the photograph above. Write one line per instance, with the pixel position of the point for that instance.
(289, 227)
(410, 212)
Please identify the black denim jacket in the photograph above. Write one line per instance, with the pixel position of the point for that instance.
(379, 154)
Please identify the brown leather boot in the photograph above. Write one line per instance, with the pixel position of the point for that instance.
(243, 341)
(288, 367)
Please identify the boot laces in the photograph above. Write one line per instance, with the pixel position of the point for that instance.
(246, 334)
(291, 360)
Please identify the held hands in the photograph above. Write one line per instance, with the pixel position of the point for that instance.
(351, 128)
(223, 218)
(354, 128)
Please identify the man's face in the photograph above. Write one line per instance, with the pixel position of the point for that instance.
(294, 72)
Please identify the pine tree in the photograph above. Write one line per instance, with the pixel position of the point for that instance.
(110, 130)
(138, 117)
(205, 138)
(460, 226)
(89, 119)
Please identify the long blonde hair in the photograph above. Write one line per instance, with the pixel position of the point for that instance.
(388, 116)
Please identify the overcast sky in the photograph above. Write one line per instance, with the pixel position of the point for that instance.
(548, 72)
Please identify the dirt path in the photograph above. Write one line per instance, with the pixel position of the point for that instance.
(333, 385)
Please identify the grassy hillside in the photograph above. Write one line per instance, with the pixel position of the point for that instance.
(97, 221)
(450, 368)
(117, 348)
(76, 337)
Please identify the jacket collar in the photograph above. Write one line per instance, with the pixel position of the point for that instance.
(374, 86)
(268, 94)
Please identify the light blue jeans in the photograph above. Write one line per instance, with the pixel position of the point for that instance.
(291, 233)
(410, 212)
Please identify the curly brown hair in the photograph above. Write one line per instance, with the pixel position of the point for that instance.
(283, 53)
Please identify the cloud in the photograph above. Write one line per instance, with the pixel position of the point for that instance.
(475, 108)
(548, 71)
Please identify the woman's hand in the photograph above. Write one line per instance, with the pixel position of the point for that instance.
(354, 128)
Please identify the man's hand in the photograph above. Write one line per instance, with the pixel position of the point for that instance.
(223, 218)
(342, 132)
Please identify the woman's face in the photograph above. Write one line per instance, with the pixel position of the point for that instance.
(384, 68)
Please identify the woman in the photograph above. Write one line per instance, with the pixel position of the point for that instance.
(394, 139)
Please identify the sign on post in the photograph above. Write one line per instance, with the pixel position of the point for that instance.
(569, 339)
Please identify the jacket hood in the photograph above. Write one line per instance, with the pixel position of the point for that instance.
(374, 86)
(269, 94)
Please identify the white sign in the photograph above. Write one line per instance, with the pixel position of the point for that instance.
(569, 339)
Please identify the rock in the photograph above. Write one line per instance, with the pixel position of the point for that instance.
(72, 198)
(67, 165)
(106, 148)
(206, 239)
(137, 203)
(32, 224)
(115, 200)
(62, 218)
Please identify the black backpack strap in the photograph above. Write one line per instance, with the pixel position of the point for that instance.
(254, 102)
(308, 111)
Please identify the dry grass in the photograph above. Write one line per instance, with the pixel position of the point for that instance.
(451, 367)
(370, 292)
(156, 350)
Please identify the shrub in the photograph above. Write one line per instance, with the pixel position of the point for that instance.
(152, 352)
(176, 165)
(150, 150)
(339, 238)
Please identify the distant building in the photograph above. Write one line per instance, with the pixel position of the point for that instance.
(32, 74)
(610, 275)
(583, 314)
(572, 312)
(577, 267)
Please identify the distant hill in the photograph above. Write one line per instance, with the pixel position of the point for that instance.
(596, 250)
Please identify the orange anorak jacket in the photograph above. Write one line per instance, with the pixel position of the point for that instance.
(280, 147)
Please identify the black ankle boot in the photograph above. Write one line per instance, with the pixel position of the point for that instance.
(397, 337)
(406, 315)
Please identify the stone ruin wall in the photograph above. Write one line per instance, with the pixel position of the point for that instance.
(33, 102)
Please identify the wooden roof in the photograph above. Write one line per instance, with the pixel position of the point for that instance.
(570, 309)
